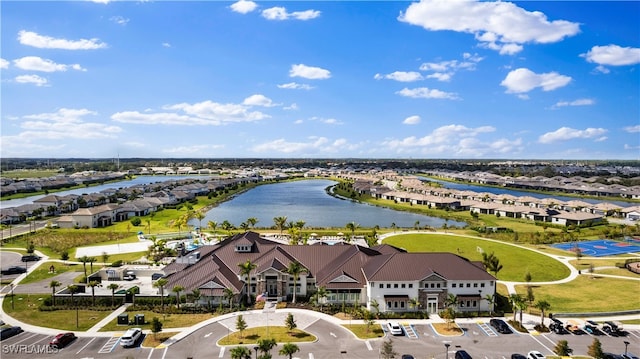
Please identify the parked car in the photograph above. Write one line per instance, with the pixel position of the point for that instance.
(612, 356)
(557, 326)
(31, 258)
(461, 354)
(407, 356)
(592, 328)
(8, 332)
(630, 356)
(394, 328)
(130, 337)
(14, 270)
(62, 340)
(501, 326)
(518, 356)
(534, 354)
(129, 276)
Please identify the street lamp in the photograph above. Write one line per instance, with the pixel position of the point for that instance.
(256, 349)
(446, 350)
(626, 344)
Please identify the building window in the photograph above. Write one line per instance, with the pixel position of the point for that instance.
(468, 285)
(475, 285)
(468, 303)
(475, 304)
(388, 304)
(410, 285)
(395, 304)
(438, 285)
(401, 304)
(453, 285)
(482, 285)
(395, 285)
(388, 285)
(403, 285)
(381, 286)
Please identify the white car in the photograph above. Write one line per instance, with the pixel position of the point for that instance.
(394, 328)
(130, 337)
(534, 354)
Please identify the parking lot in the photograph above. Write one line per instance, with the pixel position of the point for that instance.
(334, 341)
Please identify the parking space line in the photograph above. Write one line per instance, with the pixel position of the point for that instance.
(221, 352)
(90, 341)
(411, 333)
(109, 345)
(368, 345)
(487, 329)
(311, 356)
(27, 338)
(150, 352)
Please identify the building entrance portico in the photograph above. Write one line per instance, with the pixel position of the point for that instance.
(432, 305)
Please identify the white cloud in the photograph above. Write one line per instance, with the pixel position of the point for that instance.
(412, 120)
(206, 113)
(578, 102)
(30, 38)
(293, 106)
(444, 70)
(309, 72)
(119, 20)
(613, 55)
(454, 140)
(424, 92)
(566, 133)
(280, 13)
(632, 129)
(629, 147)
(295, 86)
(298, 122)
(243, 6)
(4, 64)
(190, 150)
(500, 26)
(32, 79)
(35, 63)
(166, 44)
(313, 145)
(65, 123)
(401, 76)
(258, 100)
(524, 80)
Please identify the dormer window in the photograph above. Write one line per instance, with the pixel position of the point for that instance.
(243, 248)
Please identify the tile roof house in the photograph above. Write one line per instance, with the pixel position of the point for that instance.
(352, 274)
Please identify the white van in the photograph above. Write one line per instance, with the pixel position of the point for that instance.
(130, 338)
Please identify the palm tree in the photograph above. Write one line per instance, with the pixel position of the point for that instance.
(245, 270)
(394, 226)
(53, 284)
(280, 222)
(451, 300)
(289, 349)
(516, 301)
(113, 287)
(265, 345)
(240, 353)
(375, 305)
(295, 269)
(543, 305)
(352, 226)
(491, 300)
(177, 289)
(84, 259)
(252, 221)
(227, 226)
(93, 284)
(199, 216)
(92, 260)
(414, 303)
(195, 294)
(212, 225)
(228, 296)
(320, 295)
(160, 283)
(244, 226)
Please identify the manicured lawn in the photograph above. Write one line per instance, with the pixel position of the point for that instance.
(447, 329)
(168, 321)
(361, 331)
(153, 340)
(586, 294)
(280, 334)
(516, 261)
(26, 310)
(43, 273)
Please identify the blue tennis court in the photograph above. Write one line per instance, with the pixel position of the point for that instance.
(600, 247)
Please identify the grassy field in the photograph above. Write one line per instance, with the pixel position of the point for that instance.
(516, 261)
(360, 330)
(42, 272)
(587, 294)
(26, 310)
(168, 321)
(280, 334)
(153, 340)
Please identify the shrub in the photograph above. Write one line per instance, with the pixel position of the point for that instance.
(136, 221)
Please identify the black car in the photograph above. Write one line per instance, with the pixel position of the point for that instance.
(14, 270)
(557, 327)
(461, 354)
(500, 325)
(8, 332)
(612, 356)
(407, 356)
(518, 356)
(31, 258)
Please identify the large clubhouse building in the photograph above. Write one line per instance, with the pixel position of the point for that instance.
(351, 274)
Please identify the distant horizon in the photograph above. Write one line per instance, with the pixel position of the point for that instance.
(455, 80)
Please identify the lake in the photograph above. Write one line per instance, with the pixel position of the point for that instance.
(308, 201)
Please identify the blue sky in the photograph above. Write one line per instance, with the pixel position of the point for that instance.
(301, 79)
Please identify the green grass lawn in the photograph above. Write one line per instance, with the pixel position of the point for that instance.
(280, 334)
(26, 310)
(362, 332)
(42, 272)
(586, 294)
(516, 261)
(168, 321)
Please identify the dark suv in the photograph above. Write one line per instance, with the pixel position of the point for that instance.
(14, 270)
(500, 325)
(31, 258)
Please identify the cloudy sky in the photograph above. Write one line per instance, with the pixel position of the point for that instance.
(396, 79)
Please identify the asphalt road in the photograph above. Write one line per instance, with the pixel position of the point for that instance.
(334, 342)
